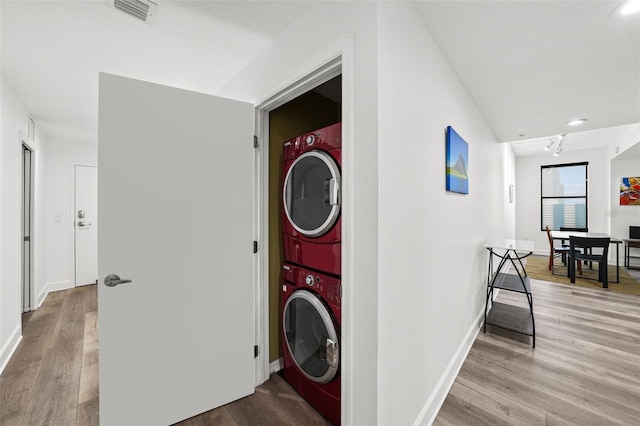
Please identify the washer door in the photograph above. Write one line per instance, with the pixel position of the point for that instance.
(311, 336)
(311, 193)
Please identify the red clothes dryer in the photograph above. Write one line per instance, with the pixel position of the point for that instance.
(311, 199)
(311, 337)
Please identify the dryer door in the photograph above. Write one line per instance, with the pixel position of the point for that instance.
(311, 336)
(311, 193)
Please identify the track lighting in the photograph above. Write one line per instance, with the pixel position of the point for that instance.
(560, 145)
(551, 142)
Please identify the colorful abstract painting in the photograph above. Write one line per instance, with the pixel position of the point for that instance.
(630, 191)
(457, 162)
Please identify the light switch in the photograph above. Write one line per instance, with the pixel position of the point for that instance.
(57, 218)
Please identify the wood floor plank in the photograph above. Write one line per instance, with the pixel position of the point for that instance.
(70, 325)
(572, 386)
(273, 405)
(89, 373)
(88, 413)
(498, 405)
(585, 369)
(461, 411)
(55, 394)
(21, 372)
(15, 421)
(220, 416)
(536, 397)
(53, 377)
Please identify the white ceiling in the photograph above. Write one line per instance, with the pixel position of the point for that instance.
(52, 51)
(530, 66)
(587, 139)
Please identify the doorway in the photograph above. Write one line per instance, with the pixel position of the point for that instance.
(27, 228)
(319, 107)
(85, 213)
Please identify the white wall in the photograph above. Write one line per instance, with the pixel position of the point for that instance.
(432, 264)
(307, 38)
(60, 160)
(528, 193)
(14, 121)
(414, 305)
(623, 216)
(626, 137)
(13, 129)
(52, 192)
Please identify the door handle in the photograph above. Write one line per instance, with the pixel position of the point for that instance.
(332, 192)
(113, 280)
(333, 352)
(82, 223)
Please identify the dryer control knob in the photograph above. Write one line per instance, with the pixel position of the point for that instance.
(310, 140)
(309, 280)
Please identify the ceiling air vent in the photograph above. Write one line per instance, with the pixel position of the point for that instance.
(141, 9)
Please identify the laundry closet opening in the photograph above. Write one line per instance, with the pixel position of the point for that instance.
(318, 108)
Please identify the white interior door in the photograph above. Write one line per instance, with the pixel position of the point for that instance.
(86, 224)
(175, 203)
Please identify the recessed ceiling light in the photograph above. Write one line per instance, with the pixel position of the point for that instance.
(576, 122)
(630, 6)
(626, 8)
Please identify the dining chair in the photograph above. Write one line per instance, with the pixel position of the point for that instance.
(581, 250)
(557, 252)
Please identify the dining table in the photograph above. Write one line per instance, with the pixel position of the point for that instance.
(564, 236)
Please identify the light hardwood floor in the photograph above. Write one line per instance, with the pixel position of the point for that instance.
(52, 379)
(585, 369)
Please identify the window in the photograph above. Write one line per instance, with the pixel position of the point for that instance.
(564, 196)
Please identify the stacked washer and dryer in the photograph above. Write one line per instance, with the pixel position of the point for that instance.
(311, 290)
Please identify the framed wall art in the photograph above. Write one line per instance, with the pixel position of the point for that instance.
(457, 162)
(630, 191)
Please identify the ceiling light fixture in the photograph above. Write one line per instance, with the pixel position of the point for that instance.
(627, 7)
(551, 142)
(560, 145)
(576, 122)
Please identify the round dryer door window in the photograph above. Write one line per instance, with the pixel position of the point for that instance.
(311, 193)
(311, 336)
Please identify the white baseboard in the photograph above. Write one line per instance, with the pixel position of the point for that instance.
(7, 350)
(435, 401)
(541, 252)
(55, 286)
(275, 366)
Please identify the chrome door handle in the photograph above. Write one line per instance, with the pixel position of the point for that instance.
(82, 223)
(113, 280)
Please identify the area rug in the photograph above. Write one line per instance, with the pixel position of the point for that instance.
(537, 267)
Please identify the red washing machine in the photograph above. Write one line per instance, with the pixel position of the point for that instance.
(311, 337)
(311, 199)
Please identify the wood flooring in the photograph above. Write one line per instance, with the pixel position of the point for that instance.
(585, 369)
(48, 379)
(52, 379)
